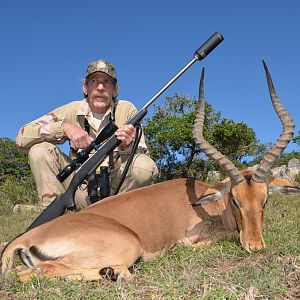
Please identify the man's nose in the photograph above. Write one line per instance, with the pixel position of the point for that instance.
(100, 86)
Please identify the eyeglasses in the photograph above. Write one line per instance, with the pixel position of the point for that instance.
(96, 81)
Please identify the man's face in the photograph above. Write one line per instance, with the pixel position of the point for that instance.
(100, 90)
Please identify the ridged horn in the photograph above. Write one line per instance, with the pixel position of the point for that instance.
(262, 171)
(229, 168)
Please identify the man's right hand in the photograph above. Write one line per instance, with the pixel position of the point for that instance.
(78, 137)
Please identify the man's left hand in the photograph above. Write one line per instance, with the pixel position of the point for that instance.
(126, 135)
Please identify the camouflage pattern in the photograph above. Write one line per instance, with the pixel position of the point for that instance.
(46, 160)
(50, 127)
(101, 66)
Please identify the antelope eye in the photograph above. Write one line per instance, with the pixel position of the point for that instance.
(234, 202)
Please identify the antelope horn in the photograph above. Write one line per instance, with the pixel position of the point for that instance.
(262, 171)
(229, 168)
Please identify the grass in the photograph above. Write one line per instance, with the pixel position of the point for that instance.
(219, 271)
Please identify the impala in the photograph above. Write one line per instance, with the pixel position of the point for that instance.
(108, 237)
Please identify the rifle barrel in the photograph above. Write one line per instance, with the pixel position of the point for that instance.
(169, 83)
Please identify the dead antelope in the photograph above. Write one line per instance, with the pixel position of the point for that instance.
(110, 236)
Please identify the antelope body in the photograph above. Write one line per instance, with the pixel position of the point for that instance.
(106, 238)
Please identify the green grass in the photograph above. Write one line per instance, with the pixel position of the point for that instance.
(219, 271)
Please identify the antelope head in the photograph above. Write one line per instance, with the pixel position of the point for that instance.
(248, 192)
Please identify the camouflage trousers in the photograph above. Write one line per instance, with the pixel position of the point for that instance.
(47, 160)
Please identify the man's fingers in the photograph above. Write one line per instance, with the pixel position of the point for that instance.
(126, 135)
(78, 137)
(82, 141)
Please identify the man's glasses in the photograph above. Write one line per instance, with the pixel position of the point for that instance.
(96, 81)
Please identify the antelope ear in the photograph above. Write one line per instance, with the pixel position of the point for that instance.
(214, 193)
(287, 190)
(284, 186)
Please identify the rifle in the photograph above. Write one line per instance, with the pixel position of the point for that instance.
(88, 164)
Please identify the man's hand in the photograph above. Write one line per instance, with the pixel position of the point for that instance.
(78, 137)
(126, 135)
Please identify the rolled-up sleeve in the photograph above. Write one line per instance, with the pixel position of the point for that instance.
(47, 128)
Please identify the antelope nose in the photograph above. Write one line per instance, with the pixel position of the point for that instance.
(254, 247)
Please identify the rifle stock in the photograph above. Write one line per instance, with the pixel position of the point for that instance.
(55, 209)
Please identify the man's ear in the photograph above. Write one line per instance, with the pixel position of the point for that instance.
(84, 88)
(116, 90)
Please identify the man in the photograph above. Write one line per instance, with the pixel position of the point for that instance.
(80, 122)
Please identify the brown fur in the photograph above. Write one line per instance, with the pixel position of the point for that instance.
(114, 232)
(141, 224)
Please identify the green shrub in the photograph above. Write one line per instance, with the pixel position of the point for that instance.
(297, 178)
(16, 182)
(286, 157)
(16, 191)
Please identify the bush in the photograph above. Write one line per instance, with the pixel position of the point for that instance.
(16, 191)
(16, 182)
(286, 157)
(297, 178)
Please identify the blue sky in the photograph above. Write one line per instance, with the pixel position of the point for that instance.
(46, 46)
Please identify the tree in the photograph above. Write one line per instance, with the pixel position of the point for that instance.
(16, 181)
(169, 136)
(235, 140)
(13, 162)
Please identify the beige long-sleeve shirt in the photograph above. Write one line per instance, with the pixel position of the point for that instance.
(50, 126)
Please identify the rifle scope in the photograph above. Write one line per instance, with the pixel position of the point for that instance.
(82, 155)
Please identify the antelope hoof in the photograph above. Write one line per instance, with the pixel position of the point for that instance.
(117, 273)
(29, 273)
(108, 273)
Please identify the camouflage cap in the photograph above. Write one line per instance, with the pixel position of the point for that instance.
(101, 66)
